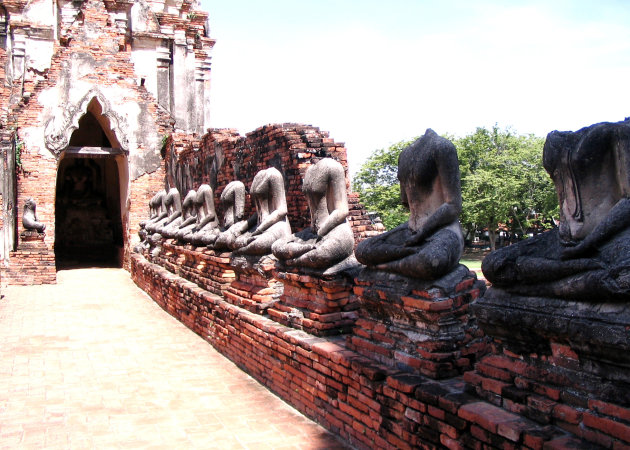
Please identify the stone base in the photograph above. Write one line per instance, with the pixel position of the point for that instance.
(418, 326)
(254, 288)
(323, 305)
(32, 263)
(367, 404)
(559, 362)
(206, 268)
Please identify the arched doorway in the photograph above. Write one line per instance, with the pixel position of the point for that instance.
(90, 192)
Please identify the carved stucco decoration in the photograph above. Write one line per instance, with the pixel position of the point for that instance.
(59, 129)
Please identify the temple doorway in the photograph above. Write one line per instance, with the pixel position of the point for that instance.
(91, 180)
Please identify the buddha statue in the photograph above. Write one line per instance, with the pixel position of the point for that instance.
(189, 216)
(206, 230)
(29, 217)
(157, 211)
(329, 239)
(233, 202)
(272, 223)
(173, 203)
(588, 256)
(431, 243)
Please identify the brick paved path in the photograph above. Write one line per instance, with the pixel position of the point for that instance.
(92, 362)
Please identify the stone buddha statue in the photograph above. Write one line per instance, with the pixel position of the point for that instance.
(189, 215)
(173, 203)
(157, 211)
(272, 223)
(431, 243)
(233, 201)
(329, 239)
(171, 230)
(29, 217)
(206, 229)
(588, 256)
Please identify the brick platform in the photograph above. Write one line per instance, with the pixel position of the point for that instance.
(417, 326)
(208, 269)
(32, 263)
(368, 404)
(316, 303)
(566, 363)
(255, 287)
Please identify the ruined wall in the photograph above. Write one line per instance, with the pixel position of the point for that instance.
(125, 63)
(222, 156)
(88, 68)
(365, 402)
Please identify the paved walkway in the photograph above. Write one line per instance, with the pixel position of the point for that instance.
(92, 362)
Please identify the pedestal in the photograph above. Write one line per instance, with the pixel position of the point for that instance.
(319, 303)
(32, 262)
(206, 268)
(254, 287)
(559, 362)
(418, 326)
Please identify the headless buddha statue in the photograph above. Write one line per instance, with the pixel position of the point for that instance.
(173, 203)
(157, 211)
(329, 239)
(588, 256)
(207, 229)
(189, 215)
(233, 201)
(430, 244)
(271, 215)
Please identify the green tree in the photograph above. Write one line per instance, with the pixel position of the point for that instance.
(376, 182)
(503, 182)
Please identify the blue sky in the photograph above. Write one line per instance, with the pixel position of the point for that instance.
(373, 73)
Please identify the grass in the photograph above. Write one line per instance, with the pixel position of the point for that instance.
(472, 259)
(472, 264)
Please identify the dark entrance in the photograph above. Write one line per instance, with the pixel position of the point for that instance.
(88, 225)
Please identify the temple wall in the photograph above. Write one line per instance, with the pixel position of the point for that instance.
(223, 155)
(374, 405)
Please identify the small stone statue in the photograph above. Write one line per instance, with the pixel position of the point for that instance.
(157, 211)
(173, 203)
(189, 216)
(271, 215)
(172, 230)
(29, 218)
(206, 229)
(430, 244)
(329, 239)
(588, 256)
(233, 201)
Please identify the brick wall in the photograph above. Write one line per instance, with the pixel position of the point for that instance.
(36, 177)
(364, 402)
(222, 156)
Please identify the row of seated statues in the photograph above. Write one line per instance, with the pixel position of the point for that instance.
(586, 257)
(194, 220)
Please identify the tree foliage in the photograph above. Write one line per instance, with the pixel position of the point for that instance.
(503, 182)
(376, 182)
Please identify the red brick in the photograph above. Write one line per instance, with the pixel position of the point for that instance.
(610, 409)
(486, 415)
(404, 382)
(451, 444)
(563, 351)
(607, 426)
(567, 414)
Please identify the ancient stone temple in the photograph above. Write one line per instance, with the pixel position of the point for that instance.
(90, 92)
(258, 245)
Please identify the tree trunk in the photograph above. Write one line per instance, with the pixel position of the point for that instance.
(492, 237)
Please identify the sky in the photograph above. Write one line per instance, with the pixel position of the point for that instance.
(373, 73)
